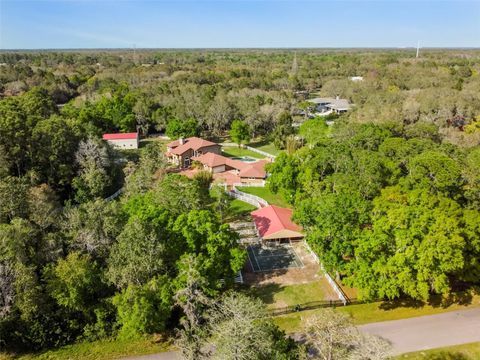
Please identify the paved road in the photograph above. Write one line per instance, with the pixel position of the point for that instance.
(428, 332)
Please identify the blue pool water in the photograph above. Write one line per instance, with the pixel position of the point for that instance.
(244, 158)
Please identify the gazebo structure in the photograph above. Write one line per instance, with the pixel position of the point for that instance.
(275, 223)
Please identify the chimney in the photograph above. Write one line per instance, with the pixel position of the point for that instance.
(181, 141)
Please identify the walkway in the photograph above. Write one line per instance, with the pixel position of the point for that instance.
(429, 332)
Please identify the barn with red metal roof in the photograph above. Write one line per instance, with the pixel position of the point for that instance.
(122, 140)
(275, 223)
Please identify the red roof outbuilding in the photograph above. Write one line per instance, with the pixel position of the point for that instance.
(120, 136)
(273, 222)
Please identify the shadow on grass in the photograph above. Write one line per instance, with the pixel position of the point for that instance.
(461, 298)
(446, 356)
(260, 143)
(436, 301)
(401, 303)
(266, 293)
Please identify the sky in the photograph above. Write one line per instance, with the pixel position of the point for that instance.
(63, 24)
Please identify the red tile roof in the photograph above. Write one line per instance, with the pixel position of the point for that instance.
(274, 222)
(193, 143)
(120, 136)
(236, 164)
(227, 177)
(246, 170)
(254, 170)
(211, 159)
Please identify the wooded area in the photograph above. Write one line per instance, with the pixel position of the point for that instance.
(389, 195)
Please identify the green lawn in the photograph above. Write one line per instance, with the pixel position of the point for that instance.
(265, 193)
(163, 142)
(234, 151)
(376, 311)
(239, 210)
(469, 351)
(266, 146)
(98, 350)
(278, 296)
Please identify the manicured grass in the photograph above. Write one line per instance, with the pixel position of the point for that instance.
(98, 350)
(278, 296)
(469, 351)
(266, 146)
(161, 141)
(377, 311)
(235, 151)
(239, 210)
(266, 194)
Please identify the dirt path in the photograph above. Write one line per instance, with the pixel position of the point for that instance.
(170, 355)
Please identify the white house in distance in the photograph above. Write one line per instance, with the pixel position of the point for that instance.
(356, 78)
(326, 106)
(122, 141)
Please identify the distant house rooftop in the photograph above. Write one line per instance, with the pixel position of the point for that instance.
(336, 104)
(356, 78)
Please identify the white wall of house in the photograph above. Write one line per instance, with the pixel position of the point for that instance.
(124, 143)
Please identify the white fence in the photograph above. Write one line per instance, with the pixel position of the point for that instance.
(258, 151)
(330, 280)
(250, 184)
(261, 152)
(248, 198)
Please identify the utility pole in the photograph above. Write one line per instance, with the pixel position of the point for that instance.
(135, 54)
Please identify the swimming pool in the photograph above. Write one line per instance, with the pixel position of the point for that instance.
(244, 159)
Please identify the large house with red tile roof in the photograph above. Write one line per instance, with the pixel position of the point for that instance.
(240, 171)
(181, 151)
(275, 223)
(184, 152)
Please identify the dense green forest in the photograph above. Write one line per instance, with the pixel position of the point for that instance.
(394, 213)
(389, 195)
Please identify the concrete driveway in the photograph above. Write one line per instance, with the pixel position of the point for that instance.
(428, 332)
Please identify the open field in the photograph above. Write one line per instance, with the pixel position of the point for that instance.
(469, 351)
(265, 193)
(377, 311)
(98, 350)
